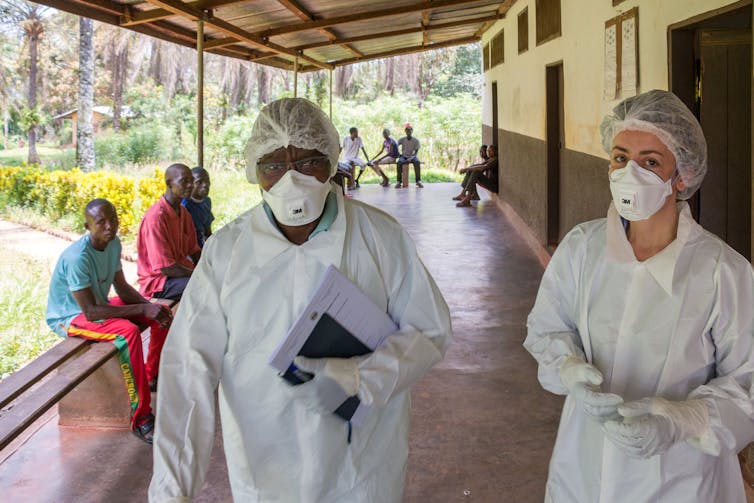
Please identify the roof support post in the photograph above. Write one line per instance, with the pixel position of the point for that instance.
(200, 93)
(331, 94)
(295, 77)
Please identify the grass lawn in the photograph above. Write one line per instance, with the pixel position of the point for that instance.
(23, 298)
(50, 154)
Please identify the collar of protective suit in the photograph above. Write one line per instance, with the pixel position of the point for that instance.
(662, 265)
(326, 246)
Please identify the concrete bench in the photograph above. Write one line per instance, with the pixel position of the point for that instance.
(82, 376)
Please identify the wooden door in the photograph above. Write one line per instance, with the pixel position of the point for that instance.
(724, 94)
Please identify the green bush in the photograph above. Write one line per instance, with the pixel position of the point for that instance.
(138, 145)
(225, 146)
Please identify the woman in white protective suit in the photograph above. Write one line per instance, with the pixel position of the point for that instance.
(645, 321)
(255, 277)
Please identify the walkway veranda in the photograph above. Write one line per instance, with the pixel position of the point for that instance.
(482, 427)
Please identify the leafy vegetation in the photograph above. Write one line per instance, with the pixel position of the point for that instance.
(23, 295)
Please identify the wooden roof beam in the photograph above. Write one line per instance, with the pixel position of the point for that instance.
(354, 50)
(363, 16)
(133, 17)
(396, 33)
(243, 35)
(502, 11)
(425, 23)
(407, 50)
(186, 11)
(178, 8)
(219, 42)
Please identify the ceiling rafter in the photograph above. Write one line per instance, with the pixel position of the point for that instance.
(502, 11)
(134, 17)
(396, 33)
(362, 16)
(305, 15)
(184, 10)
(407, 50)
(425, 23)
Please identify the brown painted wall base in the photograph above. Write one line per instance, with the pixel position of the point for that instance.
(584, 189)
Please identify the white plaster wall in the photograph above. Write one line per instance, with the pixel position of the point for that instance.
(521, 78)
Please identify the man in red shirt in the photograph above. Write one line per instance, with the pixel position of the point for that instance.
(166, 243)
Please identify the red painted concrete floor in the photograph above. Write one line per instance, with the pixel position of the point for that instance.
(482, 428)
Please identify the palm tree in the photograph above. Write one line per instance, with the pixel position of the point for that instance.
(85, 130)
(27, 17)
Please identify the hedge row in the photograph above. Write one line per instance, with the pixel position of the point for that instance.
(61, 193)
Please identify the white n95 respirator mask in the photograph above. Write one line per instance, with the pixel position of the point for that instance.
(638, 193)
(297, 199)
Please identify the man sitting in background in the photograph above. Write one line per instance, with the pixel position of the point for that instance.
(409, 148)
(78, 306)
(391, 154)
(484, 174)
(350, 148)
(199, 205)
(167, 239)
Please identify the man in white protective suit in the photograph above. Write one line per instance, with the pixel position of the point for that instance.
(646, 322)
(256, 276)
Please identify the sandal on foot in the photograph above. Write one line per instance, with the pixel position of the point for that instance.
(145, 431)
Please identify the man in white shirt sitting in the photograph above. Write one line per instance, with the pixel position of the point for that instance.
(350, 148)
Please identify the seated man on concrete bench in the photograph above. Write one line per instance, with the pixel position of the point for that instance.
(78, 306)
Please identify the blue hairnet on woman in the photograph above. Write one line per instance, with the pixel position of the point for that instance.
(645, 321)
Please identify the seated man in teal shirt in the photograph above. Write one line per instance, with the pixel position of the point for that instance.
(78, 306)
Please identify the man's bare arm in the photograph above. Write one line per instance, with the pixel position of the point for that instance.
(93, 311)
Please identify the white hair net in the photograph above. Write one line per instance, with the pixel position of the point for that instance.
(291, 121)
(663, 114)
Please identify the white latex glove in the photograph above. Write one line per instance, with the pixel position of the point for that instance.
(651, 426)
(583, 382)
(335, 379)
(344, 371)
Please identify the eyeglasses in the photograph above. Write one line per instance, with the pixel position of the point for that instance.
(308, 166)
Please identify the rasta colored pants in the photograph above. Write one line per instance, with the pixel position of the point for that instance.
(126, 336)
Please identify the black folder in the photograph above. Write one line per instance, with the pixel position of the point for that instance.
(329, 339)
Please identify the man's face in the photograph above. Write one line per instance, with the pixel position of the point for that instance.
(273, 166)
(180, 181)
(491, 151)
(102, 224)
(201, 187)
(483, 151)
(409, 132)
(386, 134)
(354, 133)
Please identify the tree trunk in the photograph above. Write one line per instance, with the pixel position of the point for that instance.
(33, 45)
(5, 123)
(263, 86)
(119, 71)
(85, 132)
(390, 76)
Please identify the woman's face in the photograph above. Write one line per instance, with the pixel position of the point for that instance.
(647, 151)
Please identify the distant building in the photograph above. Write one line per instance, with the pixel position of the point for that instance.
(103, 116)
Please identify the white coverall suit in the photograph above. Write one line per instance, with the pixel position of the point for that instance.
(678, 326)
(247, 290)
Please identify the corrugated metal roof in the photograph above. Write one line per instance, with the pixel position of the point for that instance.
(320, 33)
